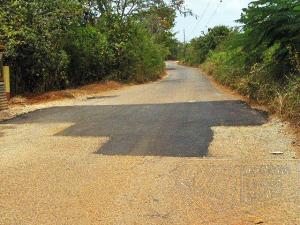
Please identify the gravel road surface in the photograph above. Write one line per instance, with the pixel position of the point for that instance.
(176, 151)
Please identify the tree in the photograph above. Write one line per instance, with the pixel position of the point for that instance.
(273, 21)
(59, 43)
(124, 9)
(32, 32)
(200, 47)
(267, 23)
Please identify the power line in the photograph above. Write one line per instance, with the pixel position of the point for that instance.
(214, 13)
(201, 16)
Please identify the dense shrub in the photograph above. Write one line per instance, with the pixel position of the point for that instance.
(60, 43)
(31, 31)
(262, 60)
(260, 81)
(89, 55)
(199, 48)
(142, 58)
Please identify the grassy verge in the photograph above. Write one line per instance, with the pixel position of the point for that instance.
(281, 97)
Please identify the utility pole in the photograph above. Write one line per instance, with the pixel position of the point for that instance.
(184, 44)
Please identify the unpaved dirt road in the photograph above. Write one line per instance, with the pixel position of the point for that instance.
(176, 151)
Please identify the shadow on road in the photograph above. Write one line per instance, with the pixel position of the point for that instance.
(170, 68)
(2, 129)
(102, 97)
(172, 81)
(176, 130)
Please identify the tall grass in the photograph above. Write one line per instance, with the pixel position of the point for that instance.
(260, 81)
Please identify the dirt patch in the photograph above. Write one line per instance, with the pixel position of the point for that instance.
(72, 93)
(96, 88)
(261, 142)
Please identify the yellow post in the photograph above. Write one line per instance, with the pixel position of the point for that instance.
(6, 77)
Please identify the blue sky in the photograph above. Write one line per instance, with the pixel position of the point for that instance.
(211, 13)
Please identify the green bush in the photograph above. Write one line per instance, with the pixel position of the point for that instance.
(56, 44)
(199, 48)
(36, 65)
(32, 32)
(229, 64)
(141, 59)
(89, 55)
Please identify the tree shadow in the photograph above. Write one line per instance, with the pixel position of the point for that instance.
(172, 81)
(170, 68)
(102, 97)
(176, 129)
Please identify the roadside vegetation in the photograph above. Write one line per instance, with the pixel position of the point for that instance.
(56, 44)
(261, 60)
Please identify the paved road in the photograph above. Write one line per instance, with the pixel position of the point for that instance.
(176, 151)
(172, 117)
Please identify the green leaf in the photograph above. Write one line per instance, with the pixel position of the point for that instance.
(297, 8)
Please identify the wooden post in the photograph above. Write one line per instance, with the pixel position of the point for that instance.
(6, 76)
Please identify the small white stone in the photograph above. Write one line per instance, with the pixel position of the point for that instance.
(277, 153)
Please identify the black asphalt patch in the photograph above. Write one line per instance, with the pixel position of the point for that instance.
(175, 129)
